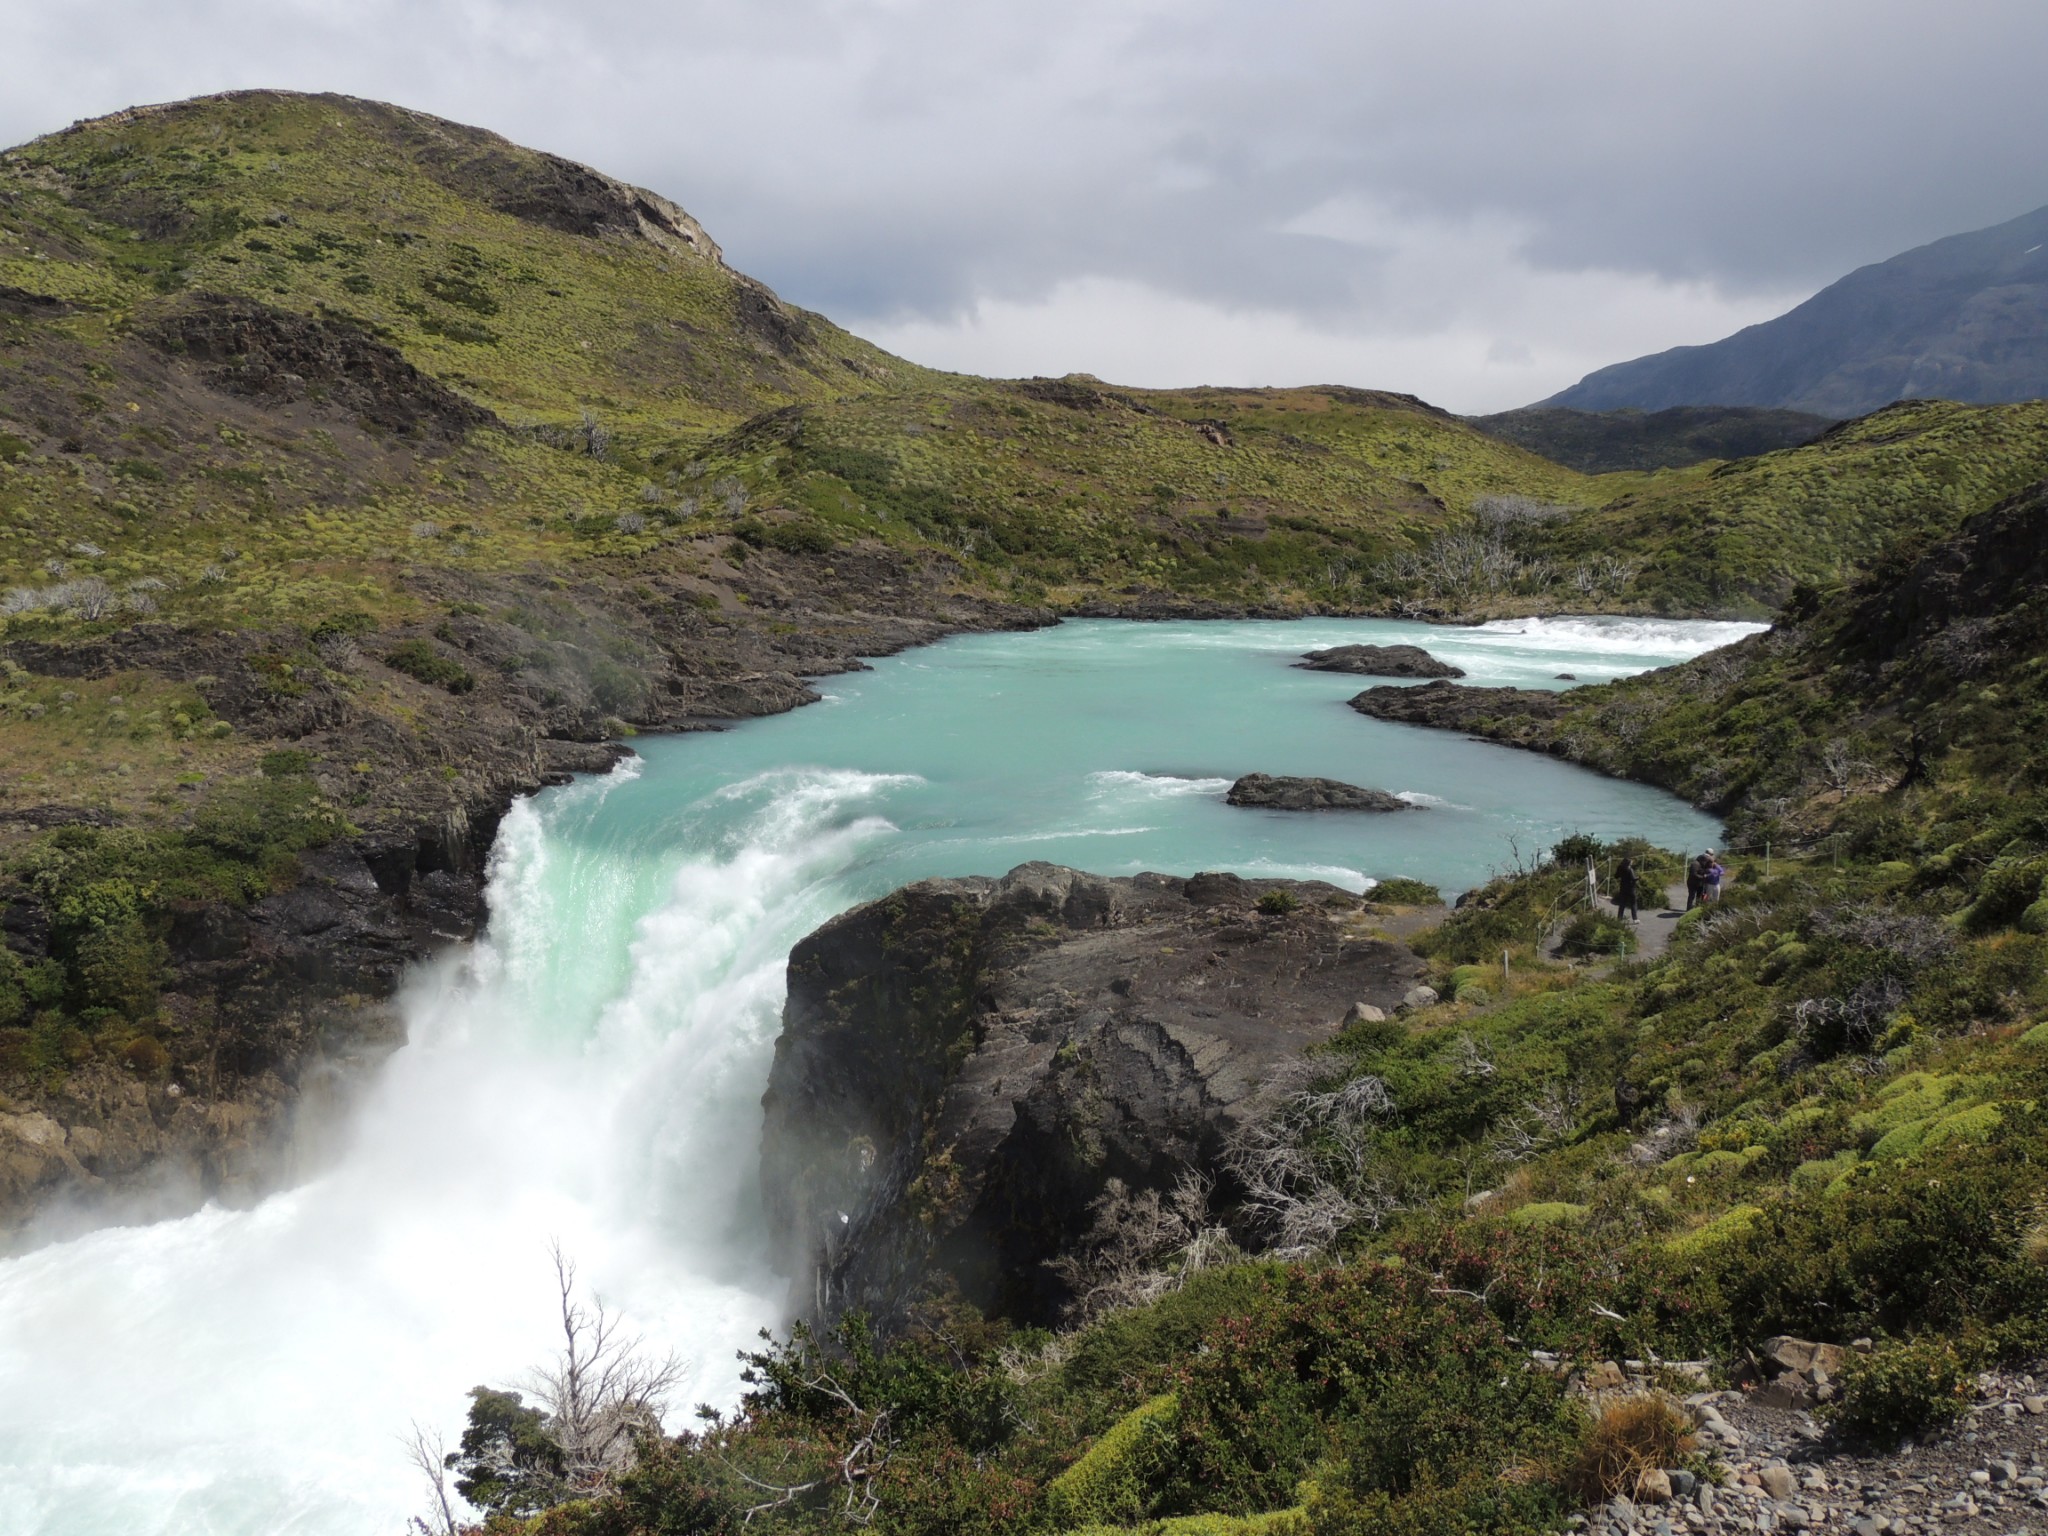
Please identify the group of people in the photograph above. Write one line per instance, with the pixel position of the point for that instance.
(1703, 876)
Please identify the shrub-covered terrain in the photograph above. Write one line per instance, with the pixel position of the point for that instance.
(355, 467)
(1818, 1113)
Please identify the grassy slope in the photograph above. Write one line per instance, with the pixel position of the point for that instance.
(372, 217)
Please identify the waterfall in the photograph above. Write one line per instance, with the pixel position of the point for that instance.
(590, 1070)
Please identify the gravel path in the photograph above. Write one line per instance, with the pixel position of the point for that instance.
(1782, 1472)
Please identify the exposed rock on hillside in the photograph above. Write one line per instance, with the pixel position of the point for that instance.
(965, 1064)
(278, 357)
(1378, 661)
(1267, 792)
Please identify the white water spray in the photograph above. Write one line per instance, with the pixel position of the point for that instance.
(250, 1371)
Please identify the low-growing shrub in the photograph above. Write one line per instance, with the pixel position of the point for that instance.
(1113, 1482)
(1414, 1390)
(1644, 1432)
(1403, 892)
(1277, 903)
(1594, 933)
(418, 659)
(1902, 1389)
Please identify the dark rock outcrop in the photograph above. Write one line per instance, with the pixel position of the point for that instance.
(1378, 661)
(1264, 791)
(280, 357)
(1451, 706)
(965, 1064)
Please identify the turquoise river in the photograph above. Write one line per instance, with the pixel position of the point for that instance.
(591, 1069)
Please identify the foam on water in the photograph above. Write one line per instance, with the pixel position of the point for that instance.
(592, 1069)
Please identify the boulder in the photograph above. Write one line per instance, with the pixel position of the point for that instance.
(1378, 661)
(1366, 1013)
(965, 1065)
(1266, 792)
(1778, 1480)
(1419, 997)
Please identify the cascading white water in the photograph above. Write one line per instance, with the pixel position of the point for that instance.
(577, 1075)
(592, 1070)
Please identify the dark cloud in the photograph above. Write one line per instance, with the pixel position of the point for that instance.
(1382, 174)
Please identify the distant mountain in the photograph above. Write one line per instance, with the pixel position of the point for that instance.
(1597, 442)
(1965, 318)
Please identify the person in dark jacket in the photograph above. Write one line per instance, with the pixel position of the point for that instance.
(1696, 880)
(1625, 890)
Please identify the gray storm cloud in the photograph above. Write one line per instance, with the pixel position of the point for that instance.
(1475, 200)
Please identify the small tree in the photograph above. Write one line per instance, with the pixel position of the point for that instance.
(603, 1389)
(592, 1404)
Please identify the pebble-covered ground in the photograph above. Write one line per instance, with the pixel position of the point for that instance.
(1782, 1471)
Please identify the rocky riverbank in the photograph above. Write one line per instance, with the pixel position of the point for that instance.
(271, 1010)
(1783, 1470)
(966, 1065)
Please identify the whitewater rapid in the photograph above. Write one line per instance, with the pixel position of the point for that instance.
(249, 1371)
(590, 1070)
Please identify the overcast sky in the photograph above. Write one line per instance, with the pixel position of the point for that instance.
(1476, 201)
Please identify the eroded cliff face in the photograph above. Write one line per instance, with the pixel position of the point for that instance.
(965, 1064)
(273, 1013)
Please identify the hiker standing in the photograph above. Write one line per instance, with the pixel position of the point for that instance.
(1714, 875)
(1625, 891)
(1696, 881)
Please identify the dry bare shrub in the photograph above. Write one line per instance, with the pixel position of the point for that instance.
(1306, 1161)
(2034, 1244)
(603, 1390)
(1644, 1432)
(1678, 1131)
(1141, 1244)
(1541, 1123)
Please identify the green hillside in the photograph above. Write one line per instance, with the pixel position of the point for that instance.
(269, 354)
(1818, 1114)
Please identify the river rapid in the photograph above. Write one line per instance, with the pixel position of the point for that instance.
(591, 1069)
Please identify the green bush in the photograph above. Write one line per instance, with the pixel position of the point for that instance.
(507, 1462)
(418, 659)
(1902, 1389)
(1924, 1242)
(1576, 849)
(1403, 892)
(1278, 903)
(1595, 933)
(2005, 893)
(1416, 1391)
(1113, 1482)
(350, 624)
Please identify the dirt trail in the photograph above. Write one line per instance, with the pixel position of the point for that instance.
(1654, 929)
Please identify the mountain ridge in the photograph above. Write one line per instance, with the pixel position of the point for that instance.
(1964, 318)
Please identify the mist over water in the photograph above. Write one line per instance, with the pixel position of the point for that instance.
(592, 1068)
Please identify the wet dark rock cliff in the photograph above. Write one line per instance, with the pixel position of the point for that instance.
(965, 1064)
